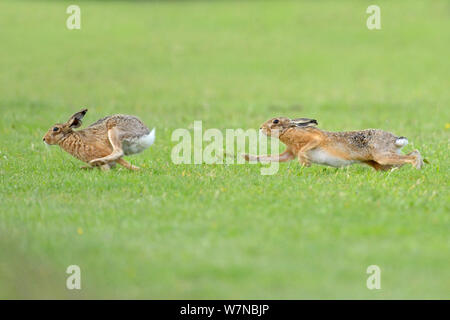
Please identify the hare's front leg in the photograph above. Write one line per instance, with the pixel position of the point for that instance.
(117, 153)
(283, 157)
(302, 155)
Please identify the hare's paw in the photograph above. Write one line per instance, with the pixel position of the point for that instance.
(105, 167)
(97, 162)
(418, 163)
(304, 160)
(305, 164)
(249, 157)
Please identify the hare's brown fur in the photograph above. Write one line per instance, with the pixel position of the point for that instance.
(104, 142)
(376, 148)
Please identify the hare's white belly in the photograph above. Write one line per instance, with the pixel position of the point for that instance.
(136, 145)
(321, 156)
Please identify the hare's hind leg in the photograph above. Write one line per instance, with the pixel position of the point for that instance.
(394, 159)
(127, 165)
(117, 153)
(378, 166)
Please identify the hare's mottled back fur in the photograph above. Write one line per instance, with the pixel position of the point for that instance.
(104, 142)
(374, 147)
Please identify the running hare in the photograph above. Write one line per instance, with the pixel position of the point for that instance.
(376, 148)
(103, 143)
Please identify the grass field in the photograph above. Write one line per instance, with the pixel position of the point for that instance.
(215, 231)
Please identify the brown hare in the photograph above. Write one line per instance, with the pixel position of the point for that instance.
(103, 143)
(376, 148)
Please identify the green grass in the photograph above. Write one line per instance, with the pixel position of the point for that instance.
(213, 231)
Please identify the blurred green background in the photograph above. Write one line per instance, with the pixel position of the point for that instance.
(211, 231)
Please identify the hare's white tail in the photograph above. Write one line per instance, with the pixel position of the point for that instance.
(136, 145)
(150, 138)
(401, 142)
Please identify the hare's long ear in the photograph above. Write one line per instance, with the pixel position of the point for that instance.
(304, 122)
(75, 120)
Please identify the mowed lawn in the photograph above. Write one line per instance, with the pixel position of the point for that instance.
(216, 231)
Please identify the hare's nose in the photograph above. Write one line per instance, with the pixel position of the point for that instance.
(43, 139)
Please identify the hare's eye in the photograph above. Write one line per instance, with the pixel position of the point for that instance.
(55, 129)
(276, 121)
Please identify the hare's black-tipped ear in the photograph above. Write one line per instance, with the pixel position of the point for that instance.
(75, 120)
(304, 122)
